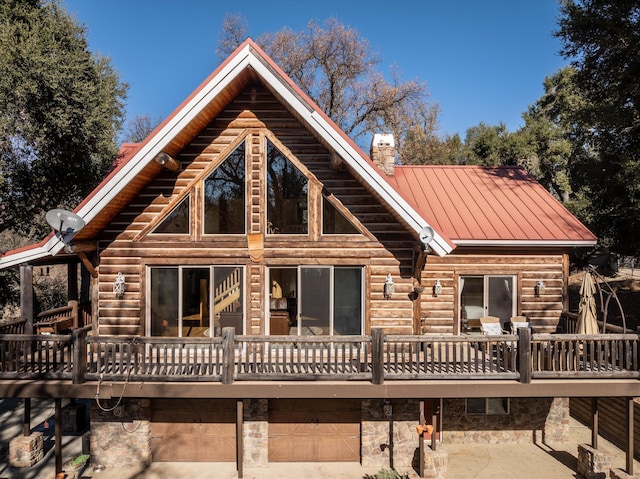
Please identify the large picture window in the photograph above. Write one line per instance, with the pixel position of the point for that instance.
(287, 206)
(195, 300)
(316, 300)
(224, 196)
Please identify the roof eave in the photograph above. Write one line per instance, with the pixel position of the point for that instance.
(50, 248)
(528, 243)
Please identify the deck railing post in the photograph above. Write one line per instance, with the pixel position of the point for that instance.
(377, 356)
(79, 364)
(228, 336)
(524, 355)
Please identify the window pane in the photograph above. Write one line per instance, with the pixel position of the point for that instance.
(164, 301)
(347, 297)
(497, 406)
(476, 405)
(501, 297)
(224, 196)
(334, 222)
(315, 295)
(176, 222)
(228, 298)
(472, 297)
(286, 195)
(195, 301)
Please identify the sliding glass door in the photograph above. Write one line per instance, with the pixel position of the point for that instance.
(318, 300)
(487, 295)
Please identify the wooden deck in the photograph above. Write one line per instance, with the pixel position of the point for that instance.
(376, 358)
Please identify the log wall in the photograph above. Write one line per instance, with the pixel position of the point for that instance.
(384, 245)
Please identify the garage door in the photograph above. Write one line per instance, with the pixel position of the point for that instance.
(193, 430)
(302, 430)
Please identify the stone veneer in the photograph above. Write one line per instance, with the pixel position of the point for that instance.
(593, 463)
(376, 444)
(255, 433)
(25, 451)
(529, 420)
(121, 437)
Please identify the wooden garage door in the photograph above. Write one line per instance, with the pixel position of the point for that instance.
(195, 430)
(303, 430)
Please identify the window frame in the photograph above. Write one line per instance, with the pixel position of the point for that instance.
(211, 294)
(332, 306)
(243, 141)
(488, 410)
(269, 229)
(485, 294)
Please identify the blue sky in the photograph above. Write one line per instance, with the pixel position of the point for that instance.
(482, 60)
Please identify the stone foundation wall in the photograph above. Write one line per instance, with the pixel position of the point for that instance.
(121, 437)
(377, 444)
(529, 420)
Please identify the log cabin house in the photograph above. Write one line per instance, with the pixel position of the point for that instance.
(253, 287)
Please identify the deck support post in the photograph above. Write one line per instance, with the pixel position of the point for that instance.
(239, 438)
(79, 355)
(594, 423)
(435, 409)
(377, 355)
(524, 354)
(422, 421)
(630, 436)
(26, 296)
(58, 434)
(26, 424)
(228, 335)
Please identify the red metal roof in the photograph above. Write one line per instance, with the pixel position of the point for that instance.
(474, 204)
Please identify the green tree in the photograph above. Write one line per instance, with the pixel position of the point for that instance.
(60, 111)
(338, 69)
(602, 38)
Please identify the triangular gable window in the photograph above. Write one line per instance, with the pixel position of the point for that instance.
(286, 195)
(177, 221)
(224, 195)
(334, 222)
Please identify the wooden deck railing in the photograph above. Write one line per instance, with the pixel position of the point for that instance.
(15, 326)
(575, 355)
(301, 358)
(31, 356)
(376, 358)
(143, 359)
(450, 357)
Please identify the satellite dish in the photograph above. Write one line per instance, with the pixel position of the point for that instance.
(65, 224)
(426, 235)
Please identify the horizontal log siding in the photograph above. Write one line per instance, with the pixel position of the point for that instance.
(126, 248)
(440, 314)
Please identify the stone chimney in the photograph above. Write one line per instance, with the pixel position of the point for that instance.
(383, 152)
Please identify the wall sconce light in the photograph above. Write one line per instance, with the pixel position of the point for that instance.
(119, 286)
(389, 287)
(539, 288)
(437, 288)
